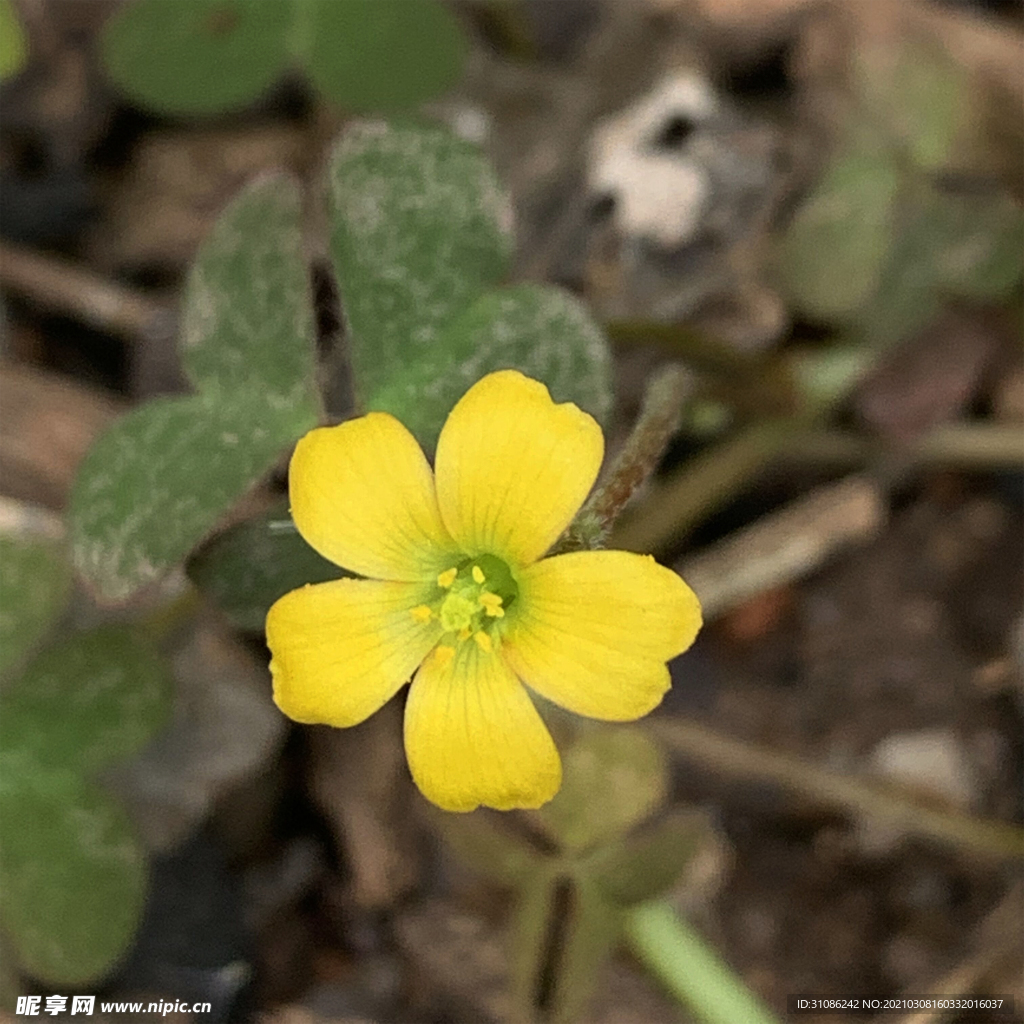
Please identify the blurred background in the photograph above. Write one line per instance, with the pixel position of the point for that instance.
(813, 207)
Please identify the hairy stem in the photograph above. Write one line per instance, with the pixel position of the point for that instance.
(659, 419)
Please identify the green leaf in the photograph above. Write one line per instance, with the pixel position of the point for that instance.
(245, 569)
(825, 377)
(94, 699)
(906, 300)
(72, 876)
(35, 580)
(208, 56)
(370, 55)
(10, 983)
(930, 90)
(950, 245)
(649, 864)
(419, 227)
(13, 45)
(919, 90)
(832, 254)
(196, 56)
(247, 319)
(157, 482)
(540, 330)
(613, 778)
(978, 251)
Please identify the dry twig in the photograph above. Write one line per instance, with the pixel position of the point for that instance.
(784, 545)
(68, 288)
(860, 798)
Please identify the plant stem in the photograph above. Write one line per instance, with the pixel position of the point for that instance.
(659, 419)
(963, 445)
(690, 969)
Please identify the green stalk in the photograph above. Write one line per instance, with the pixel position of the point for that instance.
(690, 969)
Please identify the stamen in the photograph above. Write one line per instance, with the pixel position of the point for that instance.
(478, 574)
(447, 578)
(421, 613)
(464, 633)
(483, 641)
(443, 654)
(492, 605)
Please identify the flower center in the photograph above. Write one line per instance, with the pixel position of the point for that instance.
(471, 601)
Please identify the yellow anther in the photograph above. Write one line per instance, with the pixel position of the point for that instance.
(421, 613)
(447, 578)
(478, 574)
(464, 633)
(491, 604)
(483, 641)
(443, 654)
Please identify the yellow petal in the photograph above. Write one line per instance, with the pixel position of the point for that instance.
(513, 467)
(362, 494)
(592, 631)
(473, 736)
(341, 650)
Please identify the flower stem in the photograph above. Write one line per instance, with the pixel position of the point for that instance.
(690, 969)
(659, 419)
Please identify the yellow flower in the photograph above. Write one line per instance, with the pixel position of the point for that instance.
(459, 594)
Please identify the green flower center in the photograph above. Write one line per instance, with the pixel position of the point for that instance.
(472, 600)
